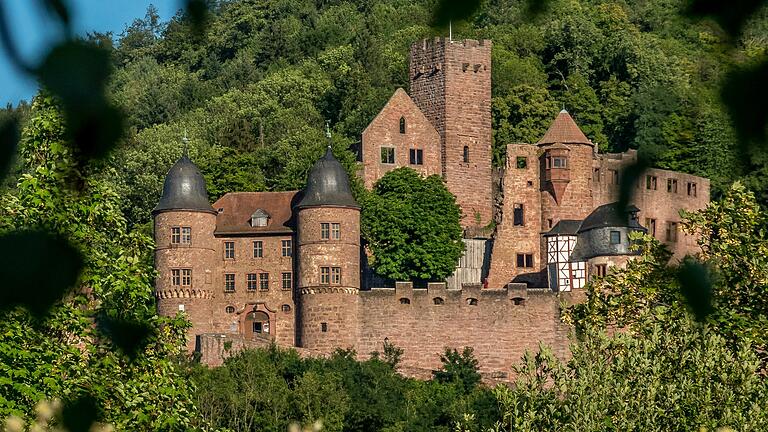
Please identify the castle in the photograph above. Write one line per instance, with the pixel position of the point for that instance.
(285, 267)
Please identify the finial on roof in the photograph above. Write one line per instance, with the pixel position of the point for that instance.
(563, 110)
(328, 132)
(185, 142)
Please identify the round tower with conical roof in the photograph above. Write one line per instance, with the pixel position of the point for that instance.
(566, 163)
(328, 265)
(185, 250)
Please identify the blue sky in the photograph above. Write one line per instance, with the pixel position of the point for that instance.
(34, 32)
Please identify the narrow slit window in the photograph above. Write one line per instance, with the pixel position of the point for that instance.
(466, 154)
(518, 215)
(402, 125)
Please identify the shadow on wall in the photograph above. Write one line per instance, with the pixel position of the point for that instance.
(533, 280)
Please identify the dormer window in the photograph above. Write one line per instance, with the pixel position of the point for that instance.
(259, 218)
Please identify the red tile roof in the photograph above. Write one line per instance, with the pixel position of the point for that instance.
(564, 130)
(237, 208)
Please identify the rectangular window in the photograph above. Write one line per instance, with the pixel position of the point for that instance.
(525, 260)
(559, 162)
(287, 281)
(258, 249)
(176, 235)
(252, 281)
(387, 155)
(186, 235)
(417, 156)
(672, 231)
(615, 237)
(614, 174)
(336, 231)
(601, 270)
(651, 225)
(176, 277)
(229, 250)
(596, 175)
(264, 281)
(650, 182)
(325, 275)
(229, 282)
(258, 327)
(518, 216)
(287, 248)
(335, 275)
(522, 162)
(325, 231)
(692, 189)
(672, 185)
(186, 277)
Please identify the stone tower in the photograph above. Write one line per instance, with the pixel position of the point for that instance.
(185, 249)
(328, 264)
(566, 165)
(451, 84)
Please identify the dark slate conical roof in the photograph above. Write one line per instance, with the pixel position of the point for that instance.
(327, 185)
(611, 215)
(184, 189)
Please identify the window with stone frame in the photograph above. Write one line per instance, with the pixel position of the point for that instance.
(325, 231)
(176, 277)
(521, 162)
(335, 275)
(614, 175)
(601, 270)
(175, 235)
(402, 125)
(672, 185)
(466, 154)
(229, 250)
(524, 260)
(518, 215)
(229, 282)
(416, 156)
(285, 308)
(264, 281)
(691, 189)
(557, 162)
(287, 248)
(186, 277)
(252, 281)
(230, 309)
(671, 232)
(650, 182)
(186, 235)
(258, 249)
(596, 175)
(287, 280)
(388, 155)
(335, 231)
(325, 275)
(650, 224)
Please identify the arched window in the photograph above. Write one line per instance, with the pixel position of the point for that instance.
(472, 301)
(438, 300)
(230, 309)
(285, 308)
(466, 154)
(257, 322)
(405, 301)
(402, 125)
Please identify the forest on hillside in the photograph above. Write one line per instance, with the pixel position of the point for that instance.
(253, 93)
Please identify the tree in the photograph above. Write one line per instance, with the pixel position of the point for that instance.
(458, 368)
(411, 225)
(102, 342)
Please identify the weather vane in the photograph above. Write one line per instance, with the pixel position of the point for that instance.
(328, 132)
(185, 141)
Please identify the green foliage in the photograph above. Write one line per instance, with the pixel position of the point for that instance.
(669, 376)
(65, 353)
(412, 226)
(459, 368)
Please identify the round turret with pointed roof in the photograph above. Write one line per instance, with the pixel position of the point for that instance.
(184, 189)
(564, 131)
(327, 185)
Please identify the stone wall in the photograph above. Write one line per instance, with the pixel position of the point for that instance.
(499, 324)
(384, 131)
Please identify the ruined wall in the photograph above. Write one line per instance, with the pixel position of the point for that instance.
(499, 324)
(520, 186)
(384, 131)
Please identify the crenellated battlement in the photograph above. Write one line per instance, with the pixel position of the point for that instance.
(471, 294)
(183, 293)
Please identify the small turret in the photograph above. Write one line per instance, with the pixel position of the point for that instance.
(185, 249)
(328, 233)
